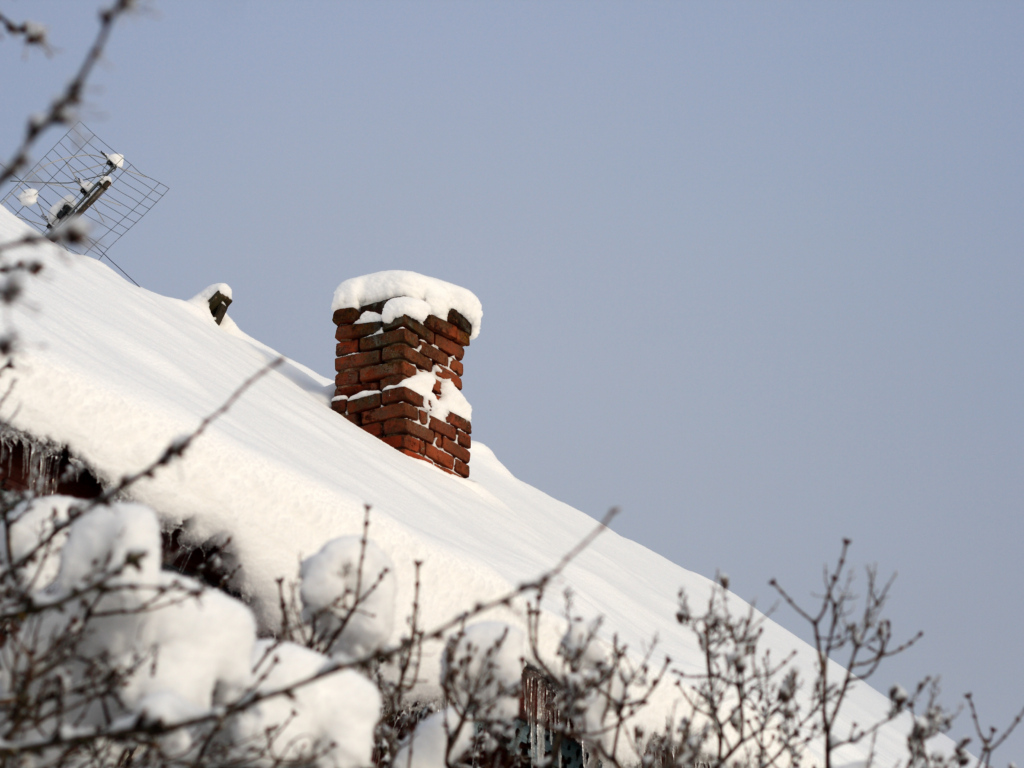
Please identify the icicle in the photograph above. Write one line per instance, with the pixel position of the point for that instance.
(26, 455)
(535, 714)
(42, 460)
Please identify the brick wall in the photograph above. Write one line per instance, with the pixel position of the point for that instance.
(371, 357)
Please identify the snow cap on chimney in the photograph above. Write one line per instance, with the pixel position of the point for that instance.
(399, 364)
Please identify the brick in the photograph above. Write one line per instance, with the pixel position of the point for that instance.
(365, 403)
(456, 334)
(397, 336)
(436, 389)
(358, 360)
(438, 456)
(349, 390)
(401, 395)
(460, 322)
(413, 325)
(374, 429)
(356, 331)
(456, 450)
(407, 427)
(396, 411)
(377, 306)
(422, 417)
(444, 373)
(434, 354)
(390, 381)
(408, 442)
(346, 347)
(449, 347)
(340, 406)
(391, 368)
(344, 378)
(461, 468)
(407, 452)
(445, 429)
(460, 423)
(405, 352)
(456, 367)
(346, 316)
(465, 440)
(353, 418)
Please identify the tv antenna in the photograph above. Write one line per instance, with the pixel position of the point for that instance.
(83, 177)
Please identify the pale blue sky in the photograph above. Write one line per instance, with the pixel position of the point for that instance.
(752, 271)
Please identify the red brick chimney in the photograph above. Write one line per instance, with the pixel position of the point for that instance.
(399, 364)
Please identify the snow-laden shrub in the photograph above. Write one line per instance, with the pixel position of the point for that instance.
(440, 740)
(333, 717)
(122, 539)
(482, 670)
(32, 534)
(589, 675)
(197, 640)
(102, 651)
(348, 596)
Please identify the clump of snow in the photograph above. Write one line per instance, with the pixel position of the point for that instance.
(340, 709)
(483, 668)
(451, 399)
(439, 295)
(115, 159)
(368, 317)
(30, 530)
(34, 31)
(364, 393)
(348, 595)
(201, 645)
(65, 203)
(203, 297)
(421, 382)
(200, 639)
(427, 747)
(121, 536)
(417, 309)
(29, 197)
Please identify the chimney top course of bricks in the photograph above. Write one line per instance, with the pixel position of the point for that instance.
(401, 337)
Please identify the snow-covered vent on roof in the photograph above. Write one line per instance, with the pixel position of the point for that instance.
(399, 364)
(81, 177)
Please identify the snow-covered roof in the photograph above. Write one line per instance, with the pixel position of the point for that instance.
(116, 372)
